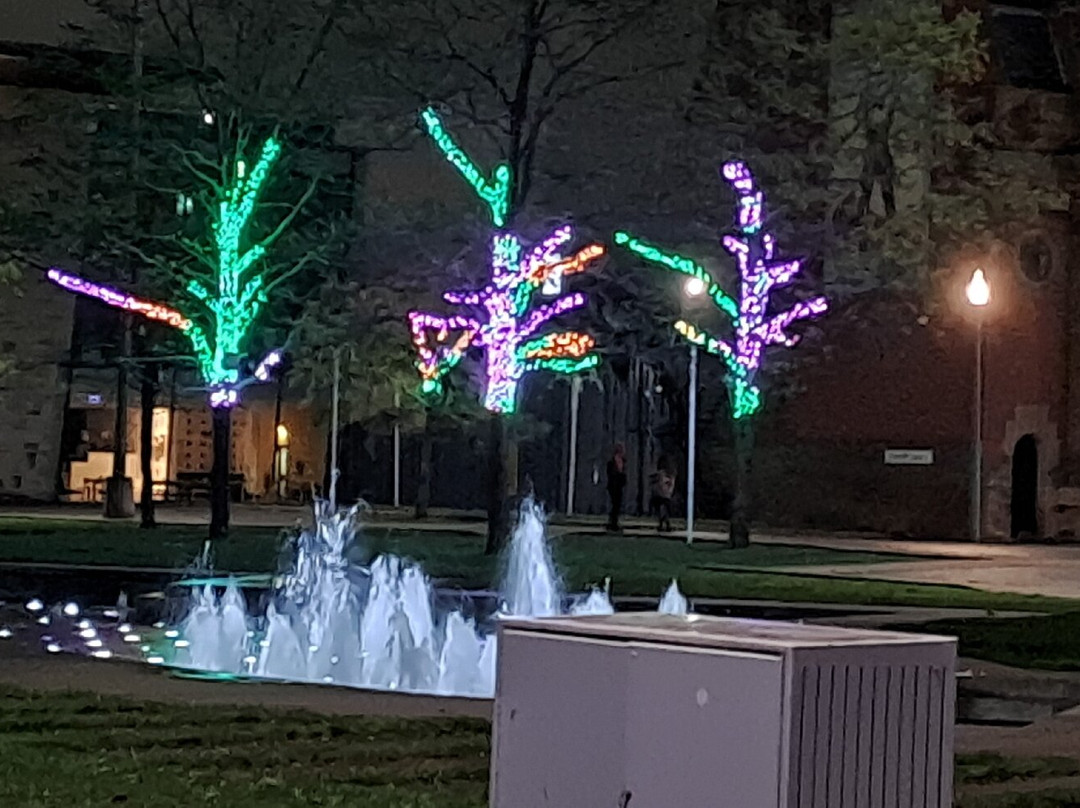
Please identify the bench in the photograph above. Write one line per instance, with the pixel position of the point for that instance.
(189, 484)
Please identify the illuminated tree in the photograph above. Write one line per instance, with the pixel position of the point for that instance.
(502, 317)
(228, 279)
(753, 327)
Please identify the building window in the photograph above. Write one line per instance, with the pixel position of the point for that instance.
(1022, 48)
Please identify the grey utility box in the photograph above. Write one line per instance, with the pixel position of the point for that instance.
(654, 711)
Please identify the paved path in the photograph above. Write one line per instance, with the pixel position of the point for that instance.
(1032, 570)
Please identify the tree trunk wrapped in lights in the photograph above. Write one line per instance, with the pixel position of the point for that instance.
(753, 327)
(227, 292)
(503, 319)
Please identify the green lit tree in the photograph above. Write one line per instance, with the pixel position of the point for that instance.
(230, 274)
(202, 76)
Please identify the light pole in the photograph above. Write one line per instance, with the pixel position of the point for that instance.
(334, 426)
(978, 295)
(693, 288)
(571, 477)
(397, 450)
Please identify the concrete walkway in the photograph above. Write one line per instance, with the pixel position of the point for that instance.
(1027, 570)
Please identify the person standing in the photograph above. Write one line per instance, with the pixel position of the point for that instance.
(616, 483)
(663, 489)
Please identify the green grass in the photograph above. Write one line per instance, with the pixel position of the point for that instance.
(61, 750)
(1047, 643)
(1047, 798)
(74, 750)
(645, 566)
(985, 768)
(73, 541)
(636, 565)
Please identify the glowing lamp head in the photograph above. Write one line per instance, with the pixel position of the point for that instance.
(694, 287)
(282, 435)
(978, 289)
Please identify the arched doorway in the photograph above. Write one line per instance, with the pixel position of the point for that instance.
(1025, 488)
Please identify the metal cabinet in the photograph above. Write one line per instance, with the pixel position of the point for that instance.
(654, 711)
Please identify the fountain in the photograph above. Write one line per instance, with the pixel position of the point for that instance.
(330, 620)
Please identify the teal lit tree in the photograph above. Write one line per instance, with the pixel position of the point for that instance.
(229, 277)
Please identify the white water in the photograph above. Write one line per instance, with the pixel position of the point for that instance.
(333, 621)
(673, 601)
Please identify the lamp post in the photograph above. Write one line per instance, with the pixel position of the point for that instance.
(335, 472)
(693, 288)
(571, 477)
(978, 295)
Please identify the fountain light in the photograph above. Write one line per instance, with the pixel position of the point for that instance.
(182, 644)
(5, 633)
(88, 633)
(35, 605)
(125, 628)
(44, 620)
(112, 614)
(155, 660)
(106, 654)
(94, 643)
(52, 648)
(132, 638)
(71, 609)
(172, 633)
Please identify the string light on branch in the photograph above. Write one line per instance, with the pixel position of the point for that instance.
(649, 252)
(504, 320)
(265, 368)
(753, 329)
(495, 192)
(229, 299)
(119, 300)
(437, 357)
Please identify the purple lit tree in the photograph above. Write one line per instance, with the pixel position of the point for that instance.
(753, 327)
(503, 318)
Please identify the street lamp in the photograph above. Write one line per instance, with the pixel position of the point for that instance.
(694, 287)
(978, 295)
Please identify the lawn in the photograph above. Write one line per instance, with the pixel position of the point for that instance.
(635, 565)
(75, 750)
(646, 565)
(1047, 643)
(61, 749)
(993, 781)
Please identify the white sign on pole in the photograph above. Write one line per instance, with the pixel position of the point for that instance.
(909, 457)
